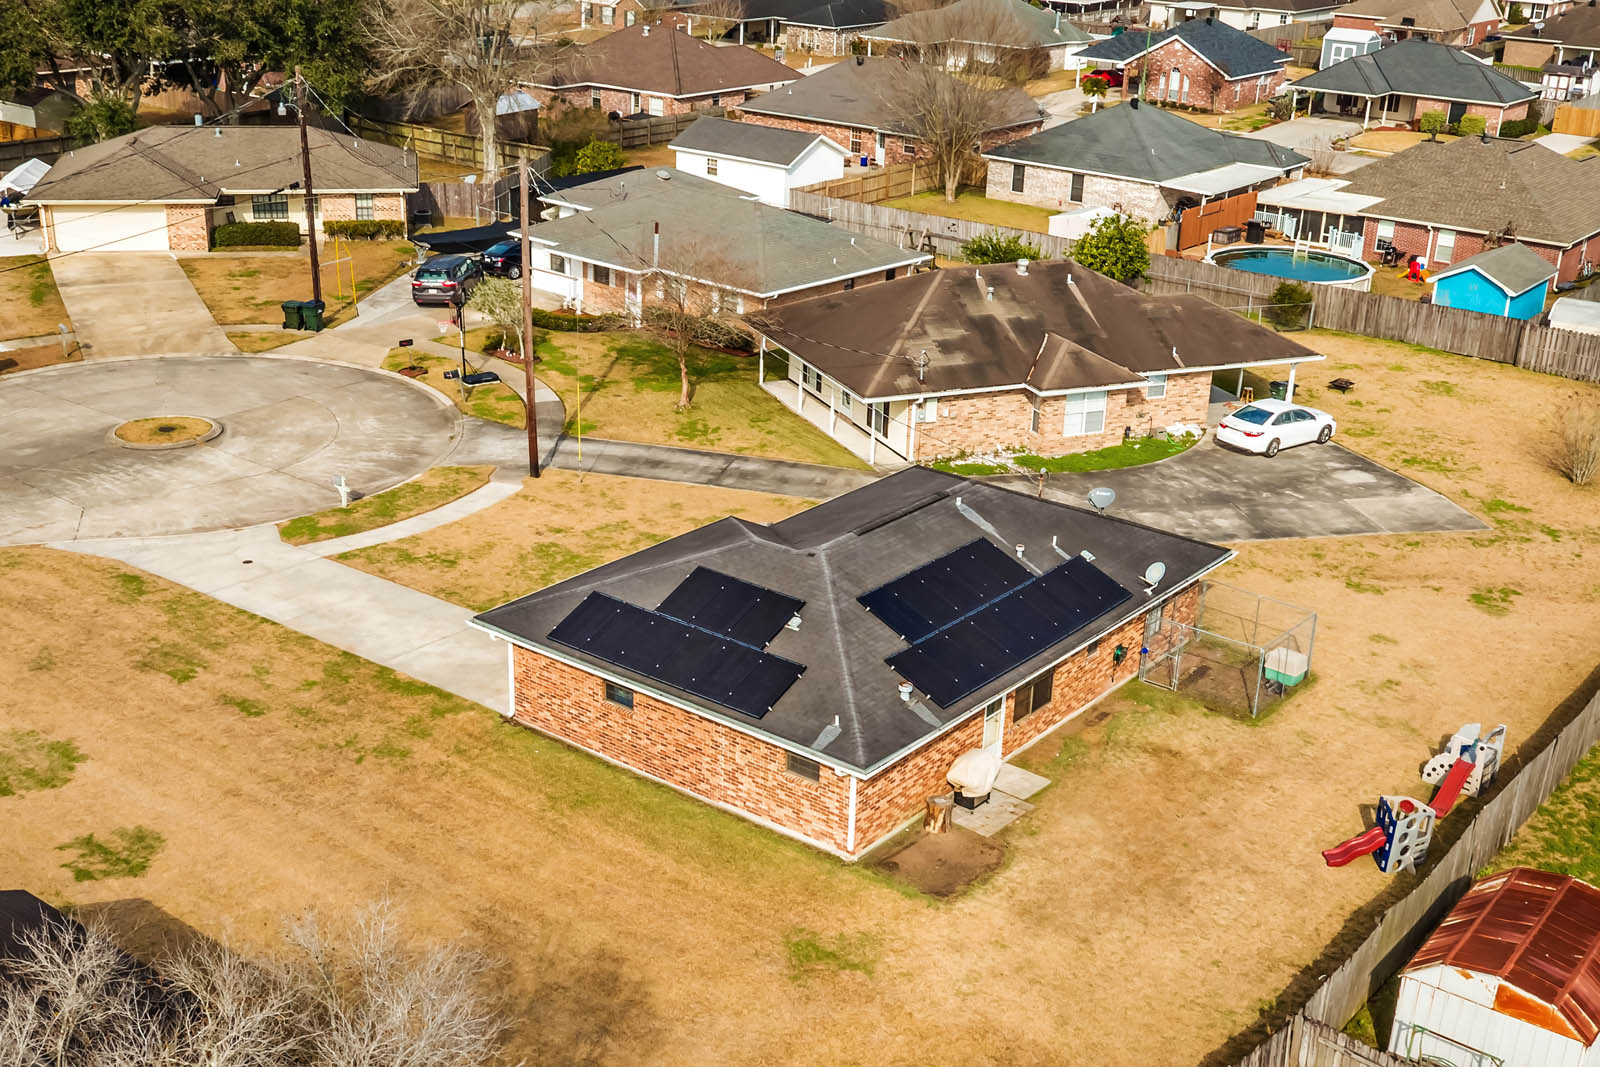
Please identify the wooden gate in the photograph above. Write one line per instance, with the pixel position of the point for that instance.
(1198, 223)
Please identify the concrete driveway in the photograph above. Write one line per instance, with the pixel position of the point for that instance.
(134, 303)
(289, 428)
(1061, 107)
(1305, 134)
(1216, 494)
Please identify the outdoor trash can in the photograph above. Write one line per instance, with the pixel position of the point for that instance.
(311, 314)
(291, 314)
(1280, 390)
(1255, 231)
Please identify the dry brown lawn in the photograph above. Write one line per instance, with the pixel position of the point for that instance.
(242, 288)
(431, 489)
(35, 356)
(1389, 141)
(556, 526)
(262, 340)
(1166, 890)
(28, 293)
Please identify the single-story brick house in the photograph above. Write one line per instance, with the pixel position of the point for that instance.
(985, 32)
(1396, 85)
(1050, 358)
(659, 70)
(1204, 64)
(1242, 14)
(853, 103)
(621, 14)
(618, 242)
(763, 161)
(1567, 49)
(1137, 159)
(166, 187)
(830, 28)
(1447, 201)
(1363, 26)
(801, 675)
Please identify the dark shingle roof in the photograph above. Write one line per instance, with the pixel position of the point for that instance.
(1424, 14)
(1579, 26)
(1483, 186)
(661, 59)
(744, 140)
(829, 555)
(842, 14)
(1419, 68)
(1144, 143)
(1234, 52)
(1058, 327)
(192, 163)
(1008, 23)
(1278, 5)
(1513, 267)
(862, 93)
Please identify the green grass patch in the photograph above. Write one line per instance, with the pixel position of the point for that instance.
(972, 205)
(809, 953)
(1356, 585)
(125, 852)
(433, 488)
(1564, 834)
(970, 470)
(496, 402)
(1131, 453)
(30, 762)
(1494, 601)
(1496, 506)
(1438, 388)
(249, 708)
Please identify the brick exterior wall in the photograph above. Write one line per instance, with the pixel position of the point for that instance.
(896, 149)
(1456, 35)
(189, 227)
(1209, 89)
(1490, 113)
(985, 422)
(818, 40)
(601, 299)
(1413, 240)
(1050, 188)
(621, 101)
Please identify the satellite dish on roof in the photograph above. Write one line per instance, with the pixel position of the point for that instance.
(1102, 497)
(1153, 574)
(664, 175)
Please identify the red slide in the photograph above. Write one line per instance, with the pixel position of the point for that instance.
(1360, 845)
(1450, 789)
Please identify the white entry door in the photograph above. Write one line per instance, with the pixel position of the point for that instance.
(993, 725)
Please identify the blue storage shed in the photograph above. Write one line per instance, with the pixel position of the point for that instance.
(1511, 280)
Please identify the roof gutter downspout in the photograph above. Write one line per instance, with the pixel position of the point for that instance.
(850, 825)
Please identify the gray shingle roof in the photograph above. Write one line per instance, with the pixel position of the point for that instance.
(661, 59)
(1425, 14)
(1419, 68)
(1041, 331)
(1483, 186)
(829, 555)
(1515, 268)
(744, 140)
(1234, 52)
(194, 163)
(1278, 5)
(1144, 143)
(1579, 26)
(862, 93)
(713, 232)
(842, 14)
(1009, 23)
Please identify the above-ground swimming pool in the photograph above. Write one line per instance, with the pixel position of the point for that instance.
(1322, 268)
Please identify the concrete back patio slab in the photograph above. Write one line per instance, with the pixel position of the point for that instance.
(134, 303)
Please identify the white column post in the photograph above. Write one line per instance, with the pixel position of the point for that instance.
(872, 440)
(1366, 120)
(800, 389)
(1288, 392)
(511, 680)
(741, 33)
(1239, 389)
(833, 414)
(761, 363)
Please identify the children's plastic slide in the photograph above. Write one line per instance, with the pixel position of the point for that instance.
(1450, 789)
(1364, 844)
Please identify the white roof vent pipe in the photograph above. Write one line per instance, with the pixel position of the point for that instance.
(646, 32)
(905, 692)
(793, 623)
(989, 293)
(1022, 267)
(1020, 550)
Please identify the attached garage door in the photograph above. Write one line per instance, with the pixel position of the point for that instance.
(108, 229)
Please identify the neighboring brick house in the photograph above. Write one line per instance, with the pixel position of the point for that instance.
(854, 104)
(166, 188)
(799, 675)
(659, 70)
(1398, 84)
(1454, 22)
(1005, 33)
(1139, 160)
(1567, 49)
(625, 242)
(1243, 14)
(829, 29)
(1050, 358)
(1445, 202)
(1204, 64)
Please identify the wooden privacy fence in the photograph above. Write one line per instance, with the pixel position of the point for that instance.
(463, 148)
(483, 201)
(1197, 224)
(1304, 1042)
(48, 149)
(913, 229)
(651, 129)
(878, 184)
(1583, 121)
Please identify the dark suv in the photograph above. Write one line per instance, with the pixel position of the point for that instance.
(445, 279)
(504, 258)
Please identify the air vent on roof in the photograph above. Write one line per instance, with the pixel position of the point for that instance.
(664, 175)
(860, 61)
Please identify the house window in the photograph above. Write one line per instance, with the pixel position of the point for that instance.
(633, 103)
(878, 418)
(363, 206)
(1093, 647)
(1076, 195)
(1031, 697)
(849, 283)
(1283, 20)
(600, 275)
(1385, 232)
(888, 275)
(808, 769)
(930, 409)
(617, 694)
(558, 264)
(1086, 413)
(629, 18)
(1018, 176)
(855, 142)
(716, 99)
(608, 16)
(269, 206)
(594, 99)
(658, 106)
(1445, 247)
(711, 167)
(845, 400)
(1157, 387)
(1033, 418)
(811, 378)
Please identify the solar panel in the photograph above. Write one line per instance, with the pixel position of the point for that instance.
(731, 606)
(675, 653)
(970, 652)
(936, 594)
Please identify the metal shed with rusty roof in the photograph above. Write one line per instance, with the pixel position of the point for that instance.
(1511, 976)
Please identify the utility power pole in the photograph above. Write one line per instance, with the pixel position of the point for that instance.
(530, 385)
(311, 202)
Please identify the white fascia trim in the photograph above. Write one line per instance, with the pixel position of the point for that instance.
(226, 191)
(642, 270)
(663, 92)
(895, 265)
(1415, 96)
(676, 702)
(1070, 170)
(114, 203)
(708, 154)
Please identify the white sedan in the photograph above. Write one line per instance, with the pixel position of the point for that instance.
(1268, 425)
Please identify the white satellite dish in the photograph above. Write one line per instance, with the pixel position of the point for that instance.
(1102, 497)
(1153, 574)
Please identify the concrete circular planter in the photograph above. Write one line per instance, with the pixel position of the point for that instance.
(185, 432)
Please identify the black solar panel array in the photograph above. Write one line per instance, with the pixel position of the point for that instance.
(936, 594)
(968, 653)
(675, 653)
(727, 605)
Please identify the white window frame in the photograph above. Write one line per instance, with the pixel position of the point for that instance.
(878, 418)
(1157, 387)
(1444, 250)
(930, 409)
(1386, 230)
(843, 399)
(269, 207)
(1085, 414)
(634, 103)
(811, 378)
(656, 106)
(558, 263)
(1076, 187)
(608, 16)
(365, 211)
(711, 166)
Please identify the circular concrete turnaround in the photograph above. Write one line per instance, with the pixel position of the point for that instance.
(293, 427)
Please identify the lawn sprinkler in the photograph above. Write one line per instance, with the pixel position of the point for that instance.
(1404, 827)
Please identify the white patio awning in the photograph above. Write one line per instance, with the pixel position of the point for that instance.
(1316, 194)
(1222, 179)
(24, 176)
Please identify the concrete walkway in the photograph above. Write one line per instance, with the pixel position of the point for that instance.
(369, 616)
(1562, 143)
(501, 484)
(135, 304)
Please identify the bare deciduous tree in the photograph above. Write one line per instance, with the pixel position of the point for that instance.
(485, 47)
(695, 286)
(69, 997)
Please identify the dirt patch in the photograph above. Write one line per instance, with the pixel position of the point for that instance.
(45, 355)
(262, 341)
(942, 865)
(28, 293)
(170, 430)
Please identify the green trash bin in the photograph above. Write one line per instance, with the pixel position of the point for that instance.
(311, 314)
(291, 315)
(1280, 390)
